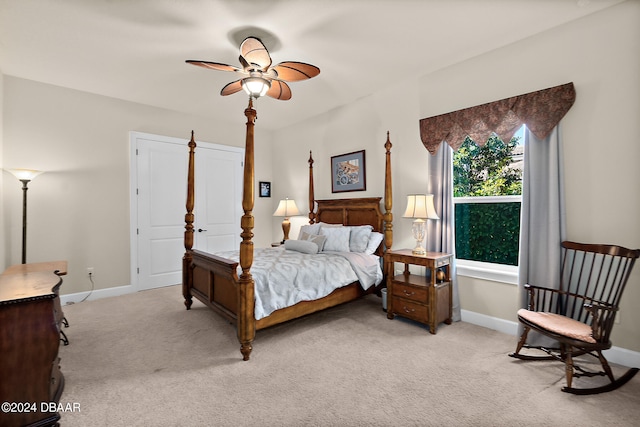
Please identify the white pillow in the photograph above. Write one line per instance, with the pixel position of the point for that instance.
(309, 229)
(337, 238)
(375, 239)
(304, 246)
(315, 238)
(326, 224)
(359, 237)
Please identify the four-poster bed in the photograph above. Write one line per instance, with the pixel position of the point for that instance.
(214, 279)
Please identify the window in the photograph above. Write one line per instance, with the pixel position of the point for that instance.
(487, 197)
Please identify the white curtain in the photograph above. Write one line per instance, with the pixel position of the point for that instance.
(542, 219)
(441, 233)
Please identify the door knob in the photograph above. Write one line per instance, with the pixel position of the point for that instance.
(200, 230)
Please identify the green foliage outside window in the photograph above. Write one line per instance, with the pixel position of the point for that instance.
(487, 232)
(486, 170)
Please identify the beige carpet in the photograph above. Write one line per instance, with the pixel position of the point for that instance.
(143, 360)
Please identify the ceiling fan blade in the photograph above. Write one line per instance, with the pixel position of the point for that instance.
(279, 90)
(245, 64)
(292, 71)
(254, 52)
(232, 88)
(213, 65)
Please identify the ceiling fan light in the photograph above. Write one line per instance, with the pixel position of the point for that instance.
(256, 86)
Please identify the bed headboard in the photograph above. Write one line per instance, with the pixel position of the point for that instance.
(357, 211)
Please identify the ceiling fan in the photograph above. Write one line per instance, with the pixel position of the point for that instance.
(259, 77)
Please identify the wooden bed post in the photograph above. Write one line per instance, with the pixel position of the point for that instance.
(388, 198)
(246, 302)
(188, 229)
(312, 197)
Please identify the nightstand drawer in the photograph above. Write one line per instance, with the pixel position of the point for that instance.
(411, 309)
(411, 292)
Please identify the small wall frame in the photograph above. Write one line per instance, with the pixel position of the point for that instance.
(265, 188)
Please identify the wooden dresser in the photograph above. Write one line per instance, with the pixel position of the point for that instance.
(30, 376)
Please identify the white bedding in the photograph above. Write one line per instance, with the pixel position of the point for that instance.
(284, 278)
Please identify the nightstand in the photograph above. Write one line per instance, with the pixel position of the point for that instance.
(425, 299)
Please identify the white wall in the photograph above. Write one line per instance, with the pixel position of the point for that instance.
(361, 125)
(599, 53)
(79, 209)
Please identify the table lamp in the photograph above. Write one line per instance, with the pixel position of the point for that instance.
(420, 207)
(286, 208)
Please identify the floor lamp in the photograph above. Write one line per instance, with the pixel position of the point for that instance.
(24, 176)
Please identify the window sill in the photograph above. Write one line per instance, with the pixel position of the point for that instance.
(487, 271)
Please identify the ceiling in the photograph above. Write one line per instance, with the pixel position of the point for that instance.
(135, 49)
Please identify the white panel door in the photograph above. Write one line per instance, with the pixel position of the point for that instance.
(162, 174)
(160, 199)
(218, 200)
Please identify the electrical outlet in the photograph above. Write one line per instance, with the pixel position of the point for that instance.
(90, 272)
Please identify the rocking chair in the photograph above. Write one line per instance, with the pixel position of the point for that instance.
(581, 313)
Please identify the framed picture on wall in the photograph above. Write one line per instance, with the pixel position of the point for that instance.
(265, 189)
(348, 172)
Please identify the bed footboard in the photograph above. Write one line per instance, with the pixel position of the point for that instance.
(213, 281)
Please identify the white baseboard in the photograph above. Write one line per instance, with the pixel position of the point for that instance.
(618, 355)
(623, 357)
(500, 325)
(97, 294)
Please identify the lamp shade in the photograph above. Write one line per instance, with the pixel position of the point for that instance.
(255, 86)
(286, 208)
(420, 206)
(25, 174)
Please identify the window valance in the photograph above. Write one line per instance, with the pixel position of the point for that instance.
(540, 111)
